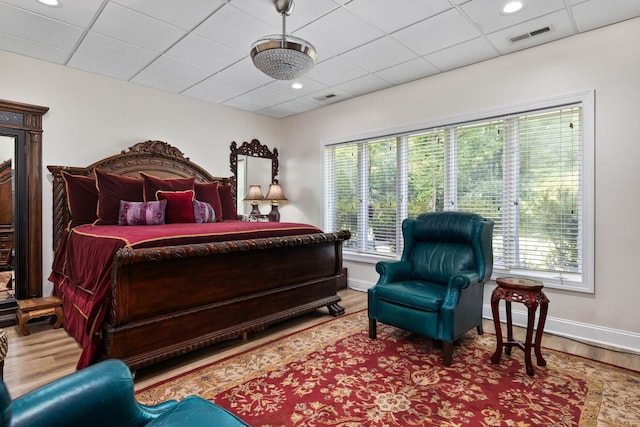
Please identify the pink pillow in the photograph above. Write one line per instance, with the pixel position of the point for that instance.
(179, 205)
(111, 189)
(203, 212)
(208, 192)
(142, 213)
(82, 198)
(229, 210)
(153, 183)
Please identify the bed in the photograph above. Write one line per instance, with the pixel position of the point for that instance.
(146, 293)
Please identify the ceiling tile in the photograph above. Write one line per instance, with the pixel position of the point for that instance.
(391, 16)
(276, 111)
(443, 30)
(113, 51)
(219, 88)
(303, 12)
(195, 49)
(488, 13)
(335, 71)
(365, 84)
(158, 82)
(462, 54)
(33, 49)
(104, 68)
(347, 32)
(265, 96)
(308, 86)
(37, 28)
(299, 105)
(124, 24)
(185, 14)
(407, 71)
(559, 24)
(379, 54)
(235, 28)
(597, 13)
(75, 12)
(178, 71)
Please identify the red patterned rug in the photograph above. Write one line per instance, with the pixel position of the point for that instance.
(334, 375)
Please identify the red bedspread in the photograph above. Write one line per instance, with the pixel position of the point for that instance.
(82, 265)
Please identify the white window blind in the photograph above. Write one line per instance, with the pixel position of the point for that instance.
(523, 170)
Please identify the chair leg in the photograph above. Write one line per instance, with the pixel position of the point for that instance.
(447, 353)
(373, 329)
(479, 329)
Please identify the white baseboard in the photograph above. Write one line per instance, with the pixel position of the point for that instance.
(584, 332)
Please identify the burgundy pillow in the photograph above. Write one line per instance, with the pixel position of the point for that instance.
(229, 210)
(179, 205)
(208, 192)
(153, 184)
(111, 189)
(142, 213)
(203, 212)
(82, 198)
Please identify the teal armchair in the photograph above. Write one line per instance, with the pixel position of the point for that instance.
(102, 396)
(436, 288)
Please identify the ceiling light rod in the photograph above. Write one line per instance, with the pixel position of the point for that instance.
(283, 57)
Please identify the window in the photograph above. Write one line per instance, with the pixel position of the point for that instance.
(530, 171)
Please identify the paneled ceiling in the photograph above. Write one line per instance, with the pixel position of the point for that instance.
(200, 48)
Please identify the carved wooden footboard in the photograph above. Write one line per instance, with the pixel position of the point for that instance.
(172, 300)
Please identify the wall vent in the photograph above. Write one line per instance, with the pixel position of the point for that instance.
(530, 34)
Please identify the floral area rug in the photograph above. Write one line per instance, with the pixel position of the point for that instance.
(334, 375)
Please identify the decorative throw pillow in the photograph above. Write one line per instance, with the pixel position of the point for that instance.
(208, 192)
(153, 184)
(203, 212)
(111, 189)
(142, 213)
(179, 205)
(82, 198)
(229, 210)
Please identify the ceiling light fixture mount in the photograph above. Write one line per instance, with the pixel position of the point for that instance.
(281, 56)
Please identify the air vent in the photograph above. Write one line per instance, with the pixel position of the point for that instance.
(325, 97)
(530, 34)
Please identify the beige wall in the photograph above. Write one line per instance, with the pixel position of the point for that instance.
(91, 117)
(604, 60)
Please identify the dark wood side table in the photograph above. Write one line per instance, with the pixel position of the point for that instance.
(529, 292)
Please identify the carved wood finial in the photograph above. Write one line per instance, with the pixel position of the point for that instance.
(156, 147)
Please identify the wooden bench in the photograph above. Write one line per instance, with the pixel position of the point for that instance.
(39, 307)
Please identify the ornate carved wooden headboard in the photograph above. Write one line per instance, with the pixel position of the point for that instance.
(153, 157)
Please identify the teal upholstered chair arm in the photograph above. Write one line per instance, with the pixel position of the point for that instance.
(102, 395)
(393, 271)
(457, 283)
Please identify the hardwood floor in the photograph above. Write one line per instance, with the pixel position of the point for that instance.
(49, 353)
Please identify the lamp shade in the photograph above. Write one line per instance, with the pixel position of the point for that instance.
(254, 194)
(275, 194)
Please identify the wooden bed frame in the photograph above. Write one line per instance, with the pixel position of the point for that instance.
(171, 300)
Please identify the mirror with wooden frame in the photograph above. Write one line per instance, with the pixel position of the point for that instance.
(21, 205)
(251, 164)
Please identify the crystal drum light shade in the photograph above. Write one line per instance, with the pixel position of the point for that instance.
(283, 57)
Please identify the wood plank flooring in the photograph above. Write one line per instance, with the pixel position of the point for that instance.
(49, 353)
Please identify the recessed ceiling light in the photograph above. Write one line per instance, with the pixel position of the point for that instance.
(52, 3)
(512, 7)
(296, 85)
